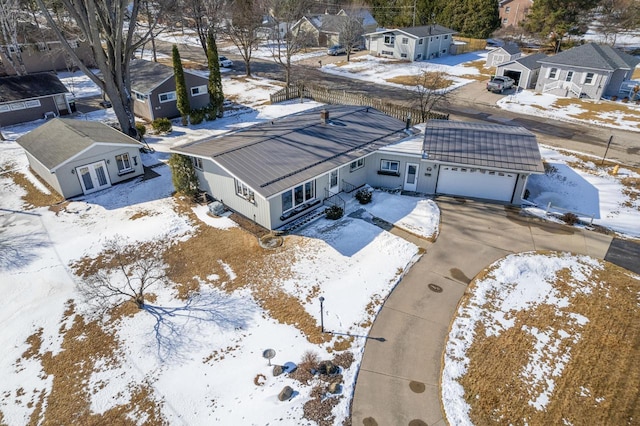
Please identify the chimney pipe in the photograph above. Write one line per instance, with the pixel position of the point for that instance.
(324, 116)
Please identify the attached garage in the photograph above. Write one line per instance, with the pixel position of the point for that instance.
(477, 160)
(515, 75)
(476, 183)
(523, 70)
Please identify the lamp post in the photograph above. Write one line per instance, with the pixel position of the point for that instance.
(321, 315)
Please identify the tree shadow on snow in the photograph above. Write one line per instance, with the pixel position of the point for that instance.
(18, 250)
(177, 328)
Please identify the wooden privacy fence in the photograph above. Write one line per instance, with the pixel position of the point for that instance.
(342, 97)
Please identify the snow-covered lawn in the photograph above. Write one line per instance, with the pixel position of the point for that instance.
(551, 331)
(578, 184)
(602, 113)
(211, 371)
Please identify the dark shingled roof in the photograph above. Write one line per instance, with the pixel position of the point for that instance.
(483, 145)
(594, 56)
(510, 48)
(147, 75)
(274, 156)
(16, 88)
(328, 23)
(60, 139)
(531, 61)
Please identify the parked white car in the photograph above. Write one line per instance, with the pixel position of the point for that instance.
(225, 62)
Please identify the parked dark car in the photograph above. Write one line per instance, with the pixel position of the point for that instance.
(336, 49)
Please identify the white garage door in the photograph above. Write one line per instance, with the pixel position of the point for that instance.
(476, 183)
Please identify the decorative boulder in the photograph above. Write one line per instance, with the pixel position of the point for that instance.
(334, 387)
(286, 393)
(327, 367)
(278, 370)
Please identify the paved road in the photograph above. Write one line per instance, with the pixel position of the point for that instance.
(398, 381)
(470, 102)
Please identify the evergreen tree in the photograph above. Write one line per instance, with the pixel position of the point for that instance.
(183, 175)
(216, 97)
(557, 18)
(482, 18)
(182, 97)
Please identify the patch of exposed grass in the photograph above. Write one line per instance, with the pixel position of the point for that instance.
(142, 213)
(636, 74)
(593, 110)
(33, 197)
(484, 71)
(599, 383)
(84, 345)
(431, 80)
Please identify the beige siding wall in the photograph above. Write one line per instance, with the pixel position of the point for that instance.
(221, 186)
(44, 173)
(70, 182)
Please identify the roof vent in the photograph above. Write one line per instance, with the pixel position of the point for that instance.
(324, 116)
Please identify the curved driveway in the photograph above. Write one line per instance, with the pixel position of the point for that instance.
(398, 382)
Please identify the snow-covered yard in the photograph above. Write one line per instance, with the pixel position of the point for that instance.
(208, 368)
(554, 332)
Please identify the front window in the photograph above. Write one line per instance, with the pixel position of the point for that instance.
(199, 90)
(358, 164)
(124, 163)
(589, 78)
(140, 97)
(299, 195)
(446, 37)
(389, 39)
(389, 166)
(167, 97)
(244, 191)
(507, 9)
(421, 41)
(333, 179)
(405, 40)
(197, 163)
(569, 76)
(553, 73)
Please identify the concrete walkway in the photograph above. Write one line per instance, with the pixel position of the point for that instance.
(398, 382)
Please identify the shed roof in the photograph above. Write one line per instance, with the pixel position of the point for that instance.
(594, 56)
(18, 87)
(483, 145)
(61, 139)
(276, 155)
(510, 48)
(147, 75)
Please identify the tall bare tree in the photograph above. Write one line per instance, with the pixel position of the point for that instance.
(351, 34)
(9, 14)
(109, 26)
(287, 39)
(206, 16)
(430, 91)
(243, 28)
(617, 16)
(126, 272)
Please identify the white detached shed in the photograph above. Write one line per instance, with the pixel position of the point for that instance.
(78, 157)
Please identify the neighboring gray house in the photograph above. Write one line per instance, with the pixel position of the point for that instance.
(500, 55)
(276, 172)
(412, 43)
(80, 157)
(588, 71)
(369, 24)
(153, 87)
(323, 30)
(524, 70)
(31, 97)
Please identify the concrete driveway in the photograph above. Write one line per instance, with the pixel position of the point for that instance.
(398, 382)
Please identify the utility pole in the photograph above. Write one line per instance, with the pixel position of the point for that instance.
(415, 3)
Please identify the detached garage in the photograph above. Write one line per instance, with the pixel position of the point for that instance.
(486, 161)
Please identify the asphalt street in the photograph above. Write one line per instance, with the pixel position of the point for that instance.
(470, 102)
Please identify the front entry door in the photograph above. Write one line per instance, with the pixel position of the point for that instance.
(411, 177)
(334, 177)
(93, 177)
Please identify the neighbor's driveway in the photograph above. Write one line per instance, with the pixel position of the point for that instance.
(398, 382)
